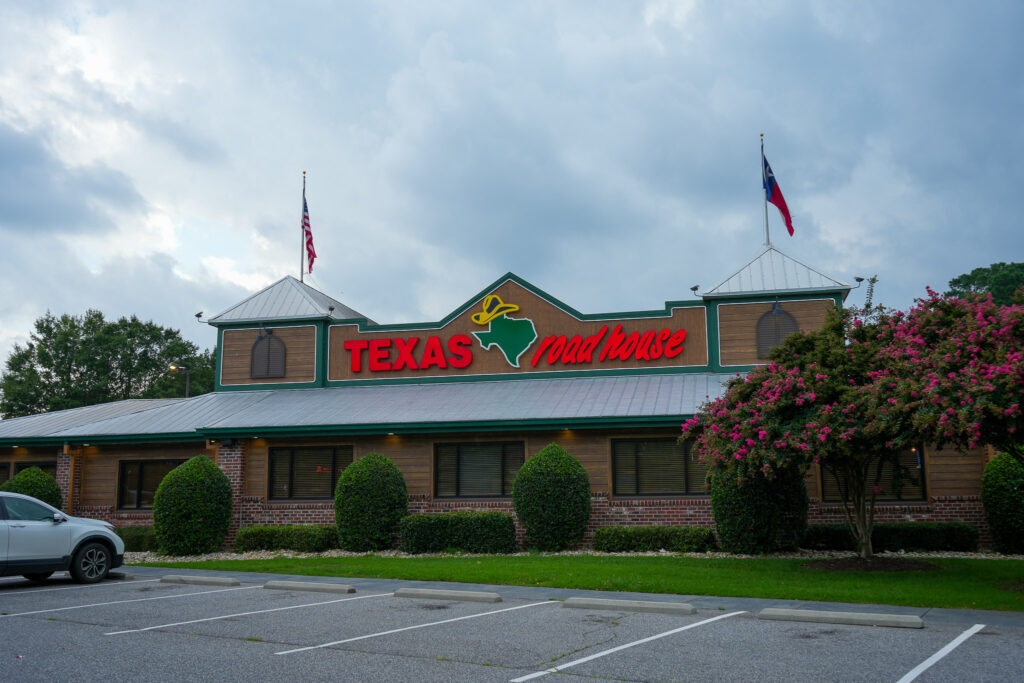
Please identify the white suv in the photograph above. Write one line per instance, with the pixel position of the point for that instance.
(37, 540)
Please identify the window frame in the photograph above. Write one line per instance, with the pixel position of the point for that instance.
(687, 457)
(335, 470)
(766, 340)
(879, 499)
(458, 445)
(121, 479)
(274, 345)
(18, 465)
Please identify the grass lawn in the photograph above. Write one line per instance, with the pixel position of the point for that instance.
(957, 583)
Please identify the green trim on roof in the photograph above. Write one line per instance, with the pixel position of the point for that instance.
(434, 427)
(622, 315)
(104, 438)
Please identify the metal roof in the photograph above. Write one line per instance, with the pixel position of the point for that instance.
(772, 271)
(50, 423)
(515, 402)
(286, 299)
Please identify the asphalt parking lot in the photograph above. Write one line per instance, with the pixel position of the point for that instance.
(143, 629)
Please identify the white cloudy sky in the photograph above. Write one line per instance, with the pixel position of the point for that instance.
(151, 152)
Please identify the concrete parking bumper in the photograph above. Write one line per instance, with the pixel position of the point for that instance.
(437, 594)
(200, 580)
(849, 618)
(309, 586)
(630, 605)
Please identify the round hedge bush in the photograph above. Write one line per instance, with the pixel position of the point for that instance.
(1002, 495)
(759, 515)
(369, 501)
(192, 508)
(32, 481)
(551, 496)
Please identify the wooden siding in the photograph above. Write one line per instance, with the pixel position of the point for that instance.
(300, 355)
(949, 472)
(11, 455)
(737, 325)
(101, 466)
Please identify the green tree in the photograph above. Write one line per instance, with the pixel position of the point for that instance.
(951, 372)
(815, 403)
(1001, 280)
(72, 361)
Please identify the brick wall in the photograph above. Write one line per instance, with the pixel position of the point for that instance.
(64, 478)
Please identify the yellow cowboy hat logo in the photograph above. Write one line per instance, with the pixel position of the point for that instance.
(493, 307)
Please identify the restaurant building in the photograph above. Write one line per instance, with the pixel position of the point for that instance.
(305, 385)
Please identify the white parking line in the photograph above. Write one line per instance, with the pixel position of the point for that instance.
(121, 602)
(556, 669)
(410, 628)
(87, 585)
(928, 663)
(245, 614)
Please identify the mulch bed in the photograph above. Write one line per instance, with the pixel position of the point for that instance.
(875, 564)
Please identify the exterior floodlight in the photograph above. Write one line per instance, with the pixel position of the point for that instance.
(175, 367)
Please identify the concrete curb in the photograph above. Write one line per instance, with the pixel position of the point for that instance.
(120, 576)
(849, 618)
(309, 586)
(437, 594)
(630, 605)
(200, 580)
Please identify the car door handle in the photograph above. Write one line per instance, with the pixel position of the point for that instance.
(18, 526)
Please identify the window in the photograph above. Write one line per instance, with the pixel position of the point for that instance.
(902, 481)
(642, 467)
(772, 328)
(308, 472)
(50, 467)
(476, 469)
(139, 480)
(5, 472)
(268, 355)
(27, 511)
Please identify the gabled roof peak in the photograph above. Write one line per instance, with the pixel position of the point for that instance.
(286, 299)
(772, 271)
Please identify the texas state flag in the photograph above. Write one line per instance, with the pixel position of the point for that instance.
(773, 194)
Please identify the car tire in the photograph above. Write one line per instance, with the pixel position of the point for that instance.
(37, 577)
(91, 563)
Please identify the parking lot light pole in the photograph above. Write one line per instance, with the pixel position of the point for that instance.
(188, 376)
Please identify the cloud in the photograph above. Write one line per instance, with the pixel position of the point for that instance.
(39, 192)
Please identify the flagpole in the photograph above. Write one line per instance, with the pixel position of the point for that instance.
(764, 191)
(302, 230)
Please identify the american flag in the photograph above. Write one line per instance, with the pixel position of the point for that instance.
(308, 234)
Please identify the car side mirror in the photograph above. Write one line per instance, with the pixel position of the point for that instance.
(59, 518)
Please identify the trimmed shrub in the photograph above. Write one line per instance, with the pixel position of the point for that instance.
(192, 508)
(369, 501)
(551, 496)
(894, 536)
(300, 537)
(760, 515)
(467, 530)
(676, 539)
(137, 539)
(1002, 494)
(32, 481)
